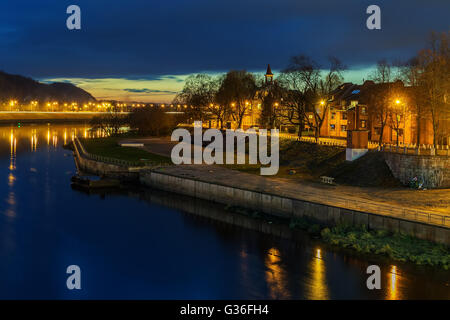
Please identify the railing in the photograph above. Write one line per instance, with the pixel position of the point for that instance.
(417, 149)
(368, 206)
(440, 150)
(336, 201)
(119, 162)
(321, 140)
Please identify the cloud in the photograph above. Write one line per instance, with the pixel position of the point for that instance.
(182, 36)
(160, 88)
(145, 49)
(145, 90)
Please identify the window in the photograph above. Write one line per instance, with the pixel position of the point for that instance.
(332, 126)
(363, 123)
(310, 116)
(343, 128)
(333, 115)
(344, 115)
(363, 110)
(377, 131)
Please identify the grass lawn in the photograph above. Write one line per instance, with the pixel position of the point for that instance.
(109, 147)
(309, 161)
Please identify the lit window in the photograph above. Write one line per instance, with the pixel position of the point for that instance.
(363, 123)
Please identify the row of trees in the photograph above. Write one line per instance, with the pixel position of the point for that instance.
(219, 97)
(153, 121)
(299, 96)
(429, 74)
(294, 95)
(426, 94)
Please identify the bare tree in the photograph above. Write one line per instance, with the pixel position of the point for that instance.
(111, 122)
(153, 121)
(410, 73)
(379, 97)
(397, 115)
(293, 108)
(199, 93)
(435, 64)
(272, 99)
(313, 88)
(237, 91)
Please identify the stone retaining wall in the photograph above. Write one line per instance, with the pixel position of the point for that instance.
(290, 208)
(104, 169)
(433, 171)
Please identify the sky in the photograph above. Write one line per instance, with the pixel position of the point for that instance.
(142, 50)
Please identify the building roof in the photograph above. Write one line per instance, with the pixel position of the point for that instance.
(347, 92)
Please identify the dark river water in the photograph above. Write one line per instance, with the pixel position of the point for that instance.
(144, 244)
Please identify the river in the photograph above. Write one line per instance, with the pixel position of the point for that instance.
(146, 244)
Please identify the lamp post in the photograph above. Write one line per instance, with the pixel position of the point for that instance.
(400, 108)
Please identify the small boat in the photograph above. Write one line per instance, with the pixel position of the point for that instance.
(94, 182)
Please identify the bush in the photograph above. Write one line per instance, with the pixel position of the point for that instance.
(153, 121)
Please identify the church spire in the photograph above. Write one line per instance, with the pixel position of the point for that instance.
(269, 75)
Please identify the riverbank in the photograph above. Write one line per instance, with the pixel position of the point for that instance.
(363, 229)
(110, 148)
(396, 246)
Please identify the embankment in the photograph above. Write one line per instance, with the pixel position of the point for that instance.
(85, 164)
(432, 171)
(275, 202)
(287, 207)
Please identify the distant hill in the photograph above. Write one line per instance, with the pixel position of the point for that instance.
(26, 89)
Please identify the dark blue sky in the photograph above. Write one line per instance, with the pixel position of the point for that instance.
(149, 40)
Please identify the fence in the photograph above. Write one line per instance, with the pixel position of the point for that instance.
(440, 150)
(377, 207)
(417, 150)
(119, 162)
(321, 140)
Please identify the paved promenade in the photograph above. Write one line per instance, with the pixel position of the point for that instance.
(402, 202)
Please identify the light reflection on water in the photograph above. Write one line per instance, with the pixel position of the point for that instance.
(43, 219)
(275, 275)
(318, 289)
